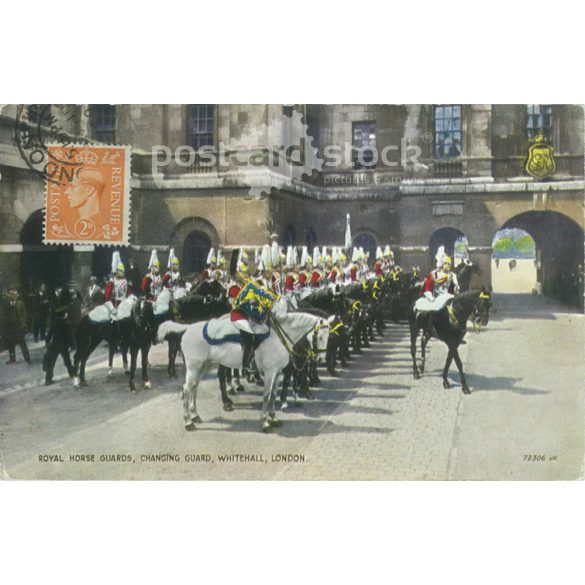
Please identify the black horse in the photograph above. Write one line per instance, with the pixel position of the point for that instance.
(448, 325)
(139, 334)
(88, 336)
(464, 271)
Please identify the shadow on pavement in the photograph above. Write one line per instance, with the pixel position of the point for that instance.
(479, 383)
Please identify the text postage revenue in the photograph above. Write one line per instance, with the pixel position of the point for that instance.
(88, 196)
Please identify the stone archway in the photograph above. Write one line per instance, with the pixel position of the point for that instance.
(195, 251)
(445, 236)
(559, 253)
(192, 239)
(39, 262)
(368, 242)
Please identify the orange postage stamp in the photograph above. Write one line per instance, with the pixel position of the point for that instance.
(87, 195)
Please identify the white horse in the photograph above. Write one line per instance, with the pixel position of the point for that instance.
(271, 357)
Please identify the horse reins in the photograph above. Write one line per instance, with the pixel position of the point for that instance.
(289, 344)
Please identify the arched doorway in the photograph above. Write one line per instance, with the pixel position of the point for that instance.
(447, 237)
(39, 262)
(368, 243)
(195, 251)
(310, 239)
(513, 261)
(558, 253)
(290, 236)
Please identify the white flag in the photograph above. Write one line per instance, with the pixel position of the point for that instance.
(348, 234)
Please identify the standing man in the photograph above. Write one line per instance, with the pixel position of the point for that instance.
(95, 295)
(41, 308)
(59, 338)
(14, 324)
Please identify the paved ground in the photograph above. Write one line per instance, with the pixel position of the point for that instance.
(372, 422)
(521, 279)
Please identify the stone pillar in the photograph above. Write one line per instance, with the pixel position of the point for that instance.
(481, 256)
(82, 265)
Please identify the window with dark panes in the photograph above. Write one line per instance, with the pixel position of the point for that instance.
(539, 121)
(364, 144)
(200, 125)
(447, 132)
(102, 119)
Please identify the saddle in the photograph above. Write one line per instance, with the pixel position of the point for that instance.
(107, 312)
(424, 305)
(222, 330)
(162, 303)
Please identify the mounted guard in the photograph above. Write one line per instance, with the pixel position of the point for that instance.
(152, 282)
(172, 277)
(118, 288)
(251, 306)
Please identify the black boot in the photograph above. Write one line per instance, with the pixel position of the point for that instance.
(248, 346)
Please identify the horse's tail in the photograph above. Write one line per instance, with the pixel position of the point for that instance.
(170, 327)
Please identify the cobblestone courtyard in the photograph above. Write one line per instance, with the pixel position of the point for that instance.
(523, 420)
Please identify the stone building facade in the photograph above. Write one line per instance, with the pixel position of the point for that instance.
(439, 172)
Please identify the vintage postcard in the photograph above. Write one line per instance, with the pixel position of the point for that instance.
(292, 292)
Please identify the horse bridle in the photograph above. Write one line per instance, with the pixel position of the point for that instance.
(289, 344)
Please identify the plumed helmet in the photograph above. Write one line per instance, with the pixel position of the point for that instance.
(153, 262)
(117, 265)
(173, 260)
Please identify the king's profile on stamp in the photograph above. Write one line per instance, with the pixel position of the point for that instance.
(88, 196)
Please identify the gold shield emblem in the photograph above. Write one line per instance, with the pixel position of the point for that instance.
(540, 162)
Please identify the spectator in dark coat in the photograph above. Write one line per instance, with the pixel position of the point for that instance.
(14, 326)
(59, 338)
(40, 310)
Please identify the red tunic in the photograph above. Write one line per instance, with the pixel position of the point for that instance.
(332, 276)
(109, 292)
(303, 278)
(236, 314)
(378, 268)
(146, 287)
(290, 282)
(353, 273)
(316, 278)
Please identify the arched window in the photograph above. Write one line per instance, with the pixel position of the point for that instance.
(290, 236)
(368, 243)
(195, 250)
